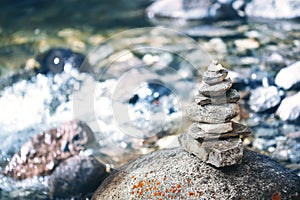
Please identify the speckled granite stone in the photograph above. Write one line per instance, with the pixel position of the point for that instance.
(177, 174)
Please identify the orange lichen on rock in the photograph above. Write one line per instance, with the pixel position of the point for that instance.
(276, 196)
(140, 184)
(152, 187)
(191, 193)
(188, 181)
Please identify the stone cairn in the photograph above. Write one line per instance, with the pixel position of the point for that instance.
(214, 137)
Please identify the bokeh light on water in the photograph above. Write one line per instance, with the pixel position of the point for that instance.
(144, 83)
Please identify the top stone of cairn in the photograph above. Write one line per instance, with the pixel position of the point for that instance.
(215, 73)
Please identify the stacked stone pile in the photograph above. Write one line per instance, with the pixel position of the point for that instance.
(214, 137)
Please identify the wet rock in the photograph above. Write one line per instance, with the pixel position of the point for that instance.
(232, 96)
(245, 79)
(190, 10)
(208, 31)
(212, 113)
(46, 150)
(289, 76)
(154, 98)
(264, 98)
(273, 9)
(58, 60)
(289, 109)
(77, 176)
(244, 44)
(175, 173)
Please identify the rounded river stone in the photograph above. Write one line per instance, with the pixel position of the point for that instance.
(176, 174)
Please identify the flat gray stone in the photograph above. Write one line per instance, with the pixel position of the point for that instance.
(198, 134)
(212, 113)
(214, 128)
(215, 90)
(177, 174)
(201, 135)
(212, 78)
(239, 130)
(232, 96)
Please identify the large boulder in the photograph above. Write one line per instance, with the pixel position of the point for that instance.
(176, 174)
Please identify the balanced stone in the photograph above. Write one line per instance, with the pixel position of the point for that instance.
(232, 96)
(201, 136)
(215, 73)
(238, 130)
(219, 153)
(215, 66)
(225, 152)
(212, 78)
(217, 89)
(214, 128)
(212, 113)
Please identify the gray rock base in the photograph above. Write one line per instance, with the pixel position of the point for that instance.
(176, 174)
